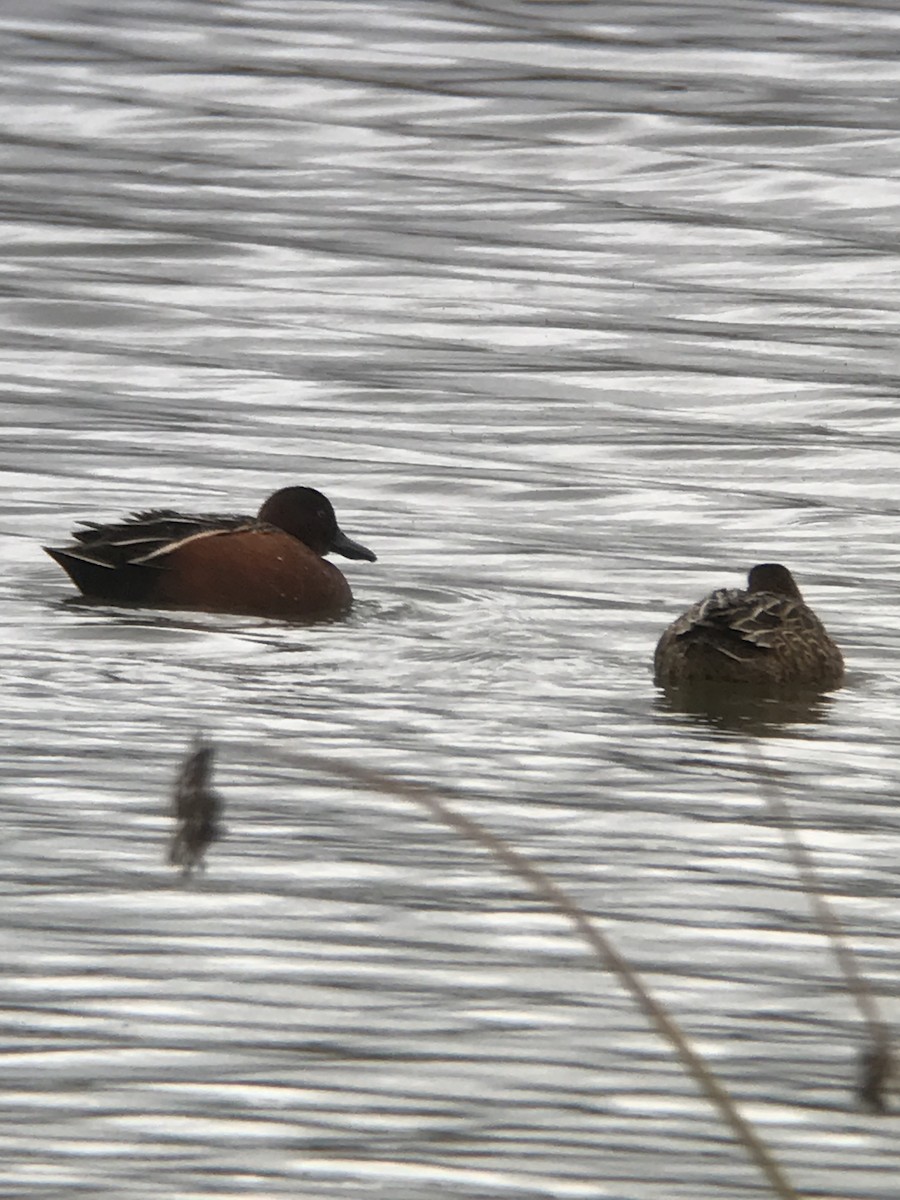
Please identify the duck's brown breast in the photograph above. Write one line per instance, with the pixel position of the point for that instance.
(264, 573)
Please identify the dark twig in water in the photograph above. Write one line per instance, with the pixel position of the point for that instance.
(436, 802)
(875, 1060)
(196, 808)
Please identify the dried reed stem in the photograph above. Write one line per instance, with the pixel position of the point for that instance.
(875, 1065)
(436, 804)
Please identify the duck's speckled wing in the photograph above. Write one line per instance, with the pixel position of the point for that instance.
(739, 622)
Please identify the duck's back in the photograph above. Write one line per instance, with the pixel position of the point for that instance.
(749, 637)
(144, 535)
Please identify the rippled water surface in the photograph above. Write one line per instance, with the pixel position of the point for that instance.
(575, 311)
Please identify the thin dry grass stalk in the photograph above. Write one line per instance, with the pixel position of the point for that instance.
(875, 1063)
(436, 804)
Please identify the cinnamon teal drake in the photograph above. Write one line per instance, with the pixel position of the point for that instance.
(270, 565)
(763, 637)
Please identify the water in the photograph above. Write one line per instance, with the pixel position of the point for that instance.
(575, 312)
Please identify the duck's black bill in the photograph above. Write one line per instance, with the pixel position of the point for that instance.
(341, 544)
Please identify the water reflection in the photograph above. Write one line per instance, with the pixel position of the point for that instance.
(727, 708)
(572, 305)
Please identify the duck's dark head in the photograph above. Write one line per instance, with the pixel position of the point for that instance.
(773, 577)
(308, 516)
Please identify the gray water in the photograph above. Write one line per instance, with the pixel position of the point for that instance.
(575, 311)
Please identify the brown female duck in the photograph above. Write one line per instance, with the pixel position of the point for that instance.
(764, 637)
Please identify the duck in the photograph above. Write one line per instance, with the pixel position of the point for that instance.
(270, 565)
(763, 636)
